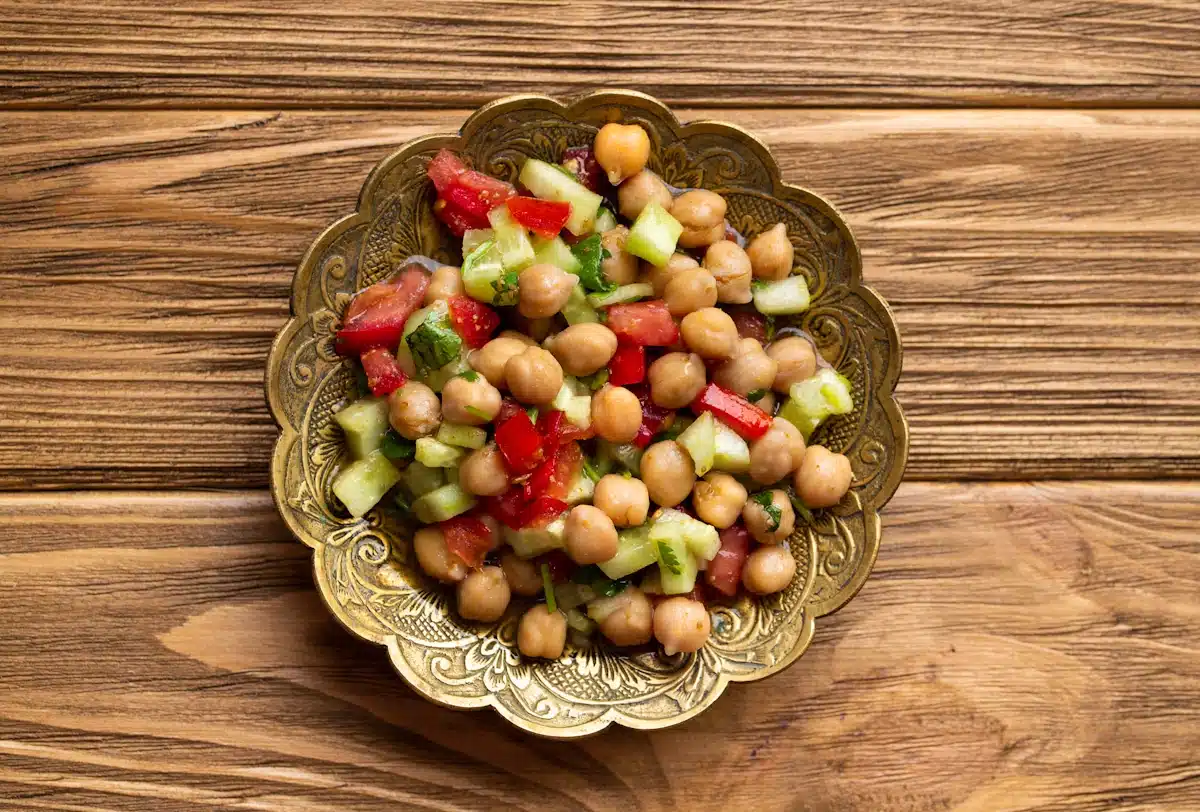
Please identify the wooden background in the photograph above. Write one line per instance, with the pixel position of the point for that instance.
(1023, 179)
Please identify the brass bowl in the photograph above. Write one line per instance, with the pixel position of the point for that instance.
(364, 569)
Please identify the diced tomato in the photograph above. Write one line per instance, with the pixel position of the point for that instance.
(543, 510)
(457, 220)
(468, 204)
(365, 298)
(628, 364)
(653, 417)
(556, 429)
(724, 572)
(546, 217)
(568, 462)
(508, 407)
(750, 324)
(507, 508)
(384, 374)
(581, 162)
(539, 480)
(519, 443)
(559, 563)
(486, 189)
(734, 410)
(468, 538)
(444, 169)
(645, 323)
(473, 320)
(382, 324)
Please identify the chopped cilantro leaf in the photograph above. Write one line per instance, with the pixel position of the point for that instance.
(507, 289)
(770, 328)
(801, 511)
(668, 558)
(395, 447)
(757, 284)
(590, 471)
(757, 395)
(590, 254)
(471, 375)
(533, 414)
(766, 499)
(434, 344)
(477, 412)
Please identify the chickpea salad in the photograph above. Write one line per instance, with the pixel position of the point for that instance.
(597, 411)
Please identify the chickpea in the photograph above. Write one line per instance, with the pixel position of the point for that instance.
(660, 275)
(590, 535)
(797, 361)
(640, 191)
(718, 499)
(710, 333)
(523, 576)
(702, 215)
(730, 266)
(771, 456)
(616, 414)
(681, 624)
(435, 557)
(542, 633)
(794, 437)
(630, 618)
(621, 266)
(768, 569)
(483, 595)
(483, 473)
(582, 349)
(621, 150)
(534, 376)
(749, 369)
(689, 291)
(445, 282)
(536, 330)
(544, 289)
(823, 477)
(626, 500)
(668, 472)
(414, 410)
(676, 379)
(762, 525)
(471, 403)
(771, 253)
(490, 360)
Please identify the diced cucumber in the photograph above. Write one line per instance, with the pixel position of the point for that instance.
(578, 310)
(570, 595)
(730, 453)
(676, 566)
(605, 221)
(782, 297)
(555, 252)
(461, 436)
(420, 479)
(700, 441)
(549, 183)
(836, 389)
(625, 293)
(444, 503)
(579, 622)
(364, 482)
(629, 456)
(365, 424)
(812, 400)
(438, 378)
(485, 277)
(635, 551)
(475, 237)
(575, 401)
(654, 235)
(701, 539)
(516, 251)
(582, 490)
(529, 542)
(436, 454)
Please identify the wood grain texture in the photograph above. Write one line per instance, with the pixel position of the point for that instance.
(68, 53)
(1018, 647)
(1042, 266)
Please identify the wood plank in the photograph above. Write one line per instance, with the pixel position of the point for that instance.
(1042, 265)
(69, 53)
(1019, 647)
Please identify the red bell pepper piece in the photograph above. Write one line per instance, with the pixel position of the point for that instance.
(750, 325)
(384, 374)
(724, 572)
(628, 365)
(555, 476)
(473, 320)
(382, 323)
(539, 480)
(581, 162)
(468, 538)
(559, 563)
(546, 217)
(543, 510)
(508, 507)
(519, 444)
(734, 410)
(645, 323)
(653, 417)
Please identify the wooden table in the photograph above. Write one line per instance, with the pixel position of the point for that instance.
(1023, 180)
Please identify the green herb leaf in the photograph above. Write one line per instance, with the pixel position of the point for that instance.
(507, 289)
(475, 410)
(434, 344)
(595, 380)
(757, 284)
(605, 254)
(587, 575)
(533, 414)
(548, 589)
(668, 558)
(471, 375)
(770, 328)
(766, 499)
(757, 395)
(395, 447)
(402, 503)
(590, 254)
(801, 511)
(590, 471)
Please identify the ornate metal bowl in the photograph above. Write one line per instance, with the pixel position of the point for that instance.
(364, 569)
